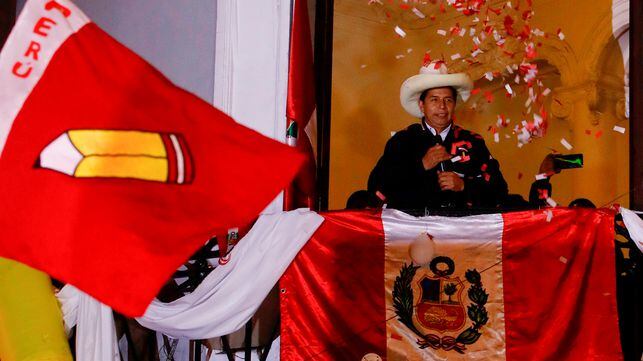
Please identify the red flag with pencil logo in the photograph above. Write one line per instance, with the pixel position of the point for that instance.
(111, 176)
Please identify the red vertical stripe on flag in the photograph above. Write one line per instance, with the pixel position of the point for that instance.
(332, 267)
(187, 160)
(560, 286)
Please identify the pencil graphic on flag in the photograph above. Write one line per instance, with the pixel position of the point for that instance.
(93, 153)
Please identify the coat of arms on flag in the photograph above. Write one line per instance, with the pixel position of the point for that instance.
(439, 309)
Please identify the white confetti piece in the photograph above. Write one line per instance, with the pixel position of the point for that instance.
(457, 158)
(472, 31)
(418, 13)
(546, 92)
(538, 120)
(409, 51)
(566, 144)
(496, 138)
(561, 36)
(541, 176)
(488, 75)
(476, 53)
(476, 41)
(442, 32)
(549, 214)
(476, 20)
(517, 79)
(455, 56)
(619, 129)
(563, 260)
(509, 70)
(363, 66)
(400, 32)
(509, 90)
(399, 56)
(462, 32)
(552, 203)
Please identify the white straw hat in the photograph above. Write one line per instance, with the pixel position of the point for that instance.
(432, 75)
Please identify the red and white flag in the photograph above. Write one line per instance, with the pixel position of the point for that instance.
(300, 109)
(518, 286)
(111, 176)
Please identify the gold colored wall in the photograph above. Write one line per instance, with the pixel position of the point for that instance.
(585, 72)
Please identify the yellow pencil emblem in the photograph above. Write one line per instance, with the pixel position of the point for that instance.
(94, 153)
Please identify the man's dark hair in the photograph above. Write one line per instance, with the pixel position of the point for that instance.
(363, 199)
(581, 203)
(453, 92)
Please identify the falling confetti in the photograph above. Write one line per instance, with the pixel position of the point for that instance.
(566, 144)
(418, 13)
(619, 129)
(400, 32)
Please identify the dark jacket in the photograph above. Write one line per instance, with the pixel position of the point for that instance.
(400, 176)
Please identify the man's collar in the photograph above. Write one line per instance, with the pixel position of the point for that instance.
(443, 134)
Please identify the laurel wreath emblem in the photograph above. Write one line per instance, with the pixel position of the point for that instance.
(403, 304)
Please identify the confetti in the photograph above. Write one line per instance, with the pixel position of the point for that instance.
(455, 56)
(488, 75)
(496, 138)
(560, 34)
(519, 176)
(442, 32)
(552, 203)
(546, 92)
(363, 66)
(509, 90)
(509, 70)
(549, 214)
(598, 134)
(566, 144)
(409, 50)
(619, 129)
(418, 13)
(462, 32)
(541, 176)
(400, 32)
(456, 159)
(476, 53)
(399, 56)
(563, 260)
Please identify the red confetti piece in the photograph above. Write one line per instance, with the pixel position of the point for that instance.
(475, 91)
(489, 96)
(588, 132)
(598, 134)
(519, 176)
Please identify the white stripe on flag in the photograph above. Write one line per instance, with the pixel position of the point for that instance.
(180, 161)
(28, 52)
(471, 243)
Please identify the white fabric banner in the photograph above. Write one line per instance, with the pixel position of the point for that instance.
(634, 226)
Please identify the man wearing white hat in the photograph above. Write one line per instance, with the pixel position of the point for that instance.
(436, 163)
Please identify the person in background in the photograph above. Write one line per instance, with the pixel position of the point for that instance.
(435, 163)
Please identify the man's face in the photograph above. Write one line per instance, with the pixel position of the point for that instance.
(438, 107)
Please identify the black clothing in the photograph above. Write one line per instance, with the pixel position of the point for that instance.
(401, 177)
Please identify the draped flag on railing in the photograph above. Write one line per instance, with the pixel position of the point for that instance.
(111, 176)
(301, 132)
(530, 285)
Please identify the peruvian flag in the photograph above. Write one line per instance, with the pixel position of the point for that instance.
(521, 286)
(301, 132)
(111, 176)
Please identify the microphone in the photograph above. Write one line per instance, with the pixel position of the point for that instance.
(443, 165)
